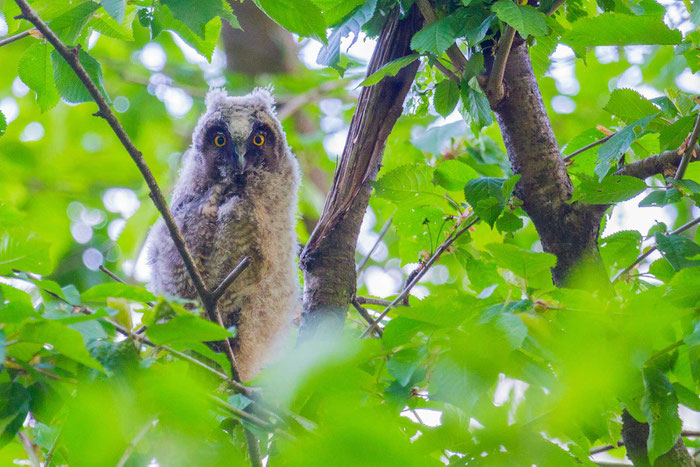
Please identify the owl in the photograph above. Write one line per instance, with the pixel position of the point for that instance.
(236, 196)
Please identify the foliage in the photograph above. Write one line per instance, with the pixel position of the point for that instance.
(493, 365)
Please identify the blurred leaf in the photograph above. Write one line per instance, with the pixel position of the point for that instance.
(24, 253)
(453, 175)
(35, 71)
(336, 10)
(3, 123)
(186, 328)
(329, 54)
(621, 248)
(522, 263)
(660, 406)
(687, 397)
(390, 69)
(678, 249)
(115, 8)
(108, 26)
(524, 18)
(629, 105)
(196, 15)
(446, 97)
(64, 340)
(163, 20)
(69, 85)
(15, 304)
(611, 189)
(14, 406)
(102, 292)
(70, 25)
(298, 16)
(618, 29)
(673, 135)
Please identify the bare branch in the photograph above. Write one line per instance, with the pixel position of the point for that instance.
(132, 444)
(446, 71)
(680, 229)
(365, 260)
(587, 147)
(366, 316)
(253, 449)
(494, 87)
(433, 259)
(16, 37)
(230, 279)
(689, 150)
(665, 164)
(372, 301)
(555, 6)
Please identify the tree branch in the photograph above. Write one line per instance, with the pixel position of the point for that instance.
(587, 147)
(433, 259)
(366, 316)
(328, 259)
(457, 58)
(16, 37)
(365, 260)
(689, 150)
(666, 164)
(495, 87)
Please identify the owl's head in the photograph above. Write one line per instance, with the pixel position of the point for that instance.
(240, 134)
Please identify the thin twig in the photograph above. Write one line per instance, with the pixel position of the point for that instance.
(641, 257)
(365, 314)
(382, 232)
(253, 449)
(372, 301)
(132, 444)
(689, 150)
(587, 147)
(16, 37)
(608, 447)
(111, 274)
(446, 71)
(404, 293)
(555, 6)
(494, 88)
(233, 275)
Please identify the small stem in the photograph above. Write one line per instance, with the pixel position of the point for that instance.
(132, 444)
(494, 87)
(680, 229)
(253, 449)
(111, 274)
(587, 147)
(366, 316)
(446, 71)
(689, 150)
(372, 301)
(365, 260)
(404, 293)
(16, 37)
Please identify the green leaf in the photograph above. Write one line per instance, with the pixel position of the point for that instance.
(69, 85)
(522, 263)
(695, 12)
(687, 397)
(475, 105)
(673, 135)
(660, 407)
(485, 195)
(389, 69)
(186, 328)
(335, 10)
(524, 18)
(15, 304)
(509, 222)
(25, 253)
(196, 15)
(109, 27)
(453, 175)
(410, 185)
(610, 152)
(329, 55)
(661, 198)
(619, 29)
(678, 249)
(446, 97)
(115, 8)
(612, 189)
(14, 407)
(513, 328)
(69, 25)
(298, 16)
(629, 105)
(621, 248)
(63, 339)
(163, 20)
(35, 71)
(101, 292)
(435, 38)
(509, 186)
(3, 123)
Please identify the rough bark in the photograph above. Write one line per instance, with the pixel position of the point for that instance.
(328, 260)
(664, 164)
(569, 231)
(261, 47)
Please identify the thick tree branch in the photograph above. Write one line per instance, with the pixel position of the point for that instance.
(495, 87)
(328, 260)
(666, 164)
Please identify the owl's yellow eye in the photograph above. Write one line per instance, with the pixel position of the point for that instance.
(219, 140)
(258, 139)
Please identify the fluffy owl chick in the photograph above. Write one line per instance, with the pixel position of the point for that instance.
(236, 195)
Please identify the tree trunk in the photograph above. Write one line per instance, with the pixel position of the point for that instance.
(328, 261)
(569, 231)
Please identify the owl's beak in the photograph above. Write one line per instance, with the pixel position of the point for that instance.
(237, 157)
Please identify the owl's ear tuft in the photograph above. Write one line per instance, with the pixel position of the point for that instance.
(264, 95)
(216, 97)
